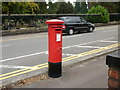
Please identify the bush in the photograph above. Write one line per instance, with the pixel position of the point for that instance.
(103, 16)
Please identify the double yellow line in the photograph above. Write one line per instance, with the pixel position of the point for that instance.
(44, 65)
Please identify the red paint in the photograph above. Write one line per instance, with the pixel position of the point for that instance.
(55, 40)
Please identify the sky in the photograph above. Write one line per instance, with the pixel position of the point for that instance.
(53, 1)
(71, 1)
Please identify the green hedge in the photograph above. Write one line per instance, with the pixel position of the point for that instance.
(103, 16)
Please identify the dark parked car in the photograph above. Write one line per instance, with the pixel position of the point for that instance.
(76, 24)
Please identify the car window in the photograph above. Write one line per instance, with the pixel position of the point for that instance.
(82, 20)
(70, 19)
(77, 19)
(63, 18)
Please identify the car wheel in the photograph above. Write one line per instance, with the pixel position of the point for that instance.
(71, 32)
(90, 29)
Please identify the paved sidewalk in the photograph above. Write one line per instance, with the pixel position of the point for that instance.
(91, 74)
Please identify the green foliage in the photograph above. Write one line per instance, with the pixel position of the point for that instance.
(112, 7)
(80, 7)
(19, 7)
(65, 8)
(77, 7)
(53, 7)
(0, 7)
(102, 18)
(83, 8)
(42, 6)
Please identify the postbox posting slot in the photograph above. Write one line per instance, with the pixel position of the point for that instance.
(57, 29)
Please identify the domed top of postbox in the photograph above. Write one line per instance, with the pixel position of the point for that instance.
(54, 21)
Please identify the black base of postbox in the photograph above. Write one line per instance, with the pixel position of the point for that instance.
(54, 69)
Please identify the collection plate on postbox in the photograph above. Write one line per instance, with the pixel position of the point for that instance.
(58, 37)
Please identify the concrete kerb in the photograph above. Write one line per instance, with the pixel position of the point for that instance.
(65, 65)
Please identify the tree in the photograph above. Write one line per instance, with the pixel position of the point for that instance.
(19, 7)
(80, 7)
(65, 8)
(32, 7)
(42, 6)
(53, 7)
(83, 8)
(77, 7)
(0, 7)
(102, 18)
(112, 7)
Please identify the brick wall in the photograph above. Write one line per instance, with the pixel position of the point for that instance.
(113, 62)
(114, 77)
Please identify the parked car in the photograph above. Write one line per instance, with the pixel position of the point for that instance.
(76, 24)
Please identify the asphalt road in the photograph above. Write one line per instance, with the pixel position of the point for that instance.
(25, 51)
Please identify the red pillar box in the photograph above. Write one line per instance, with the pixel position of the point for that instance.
(55, 47)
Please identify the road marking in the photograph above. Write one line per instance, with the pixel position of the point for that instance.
(17, 71)
(109, 41)
(80, 44)
(88, 46)
(92, 52)
(16, 67)
(26, 70)
(87, 43)
(74, 36)
(9, 59)
(63, 54)
(110, 31)
(3, 46)
(68, 54)
(108, 38)
(23, 72)
(45, 52)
